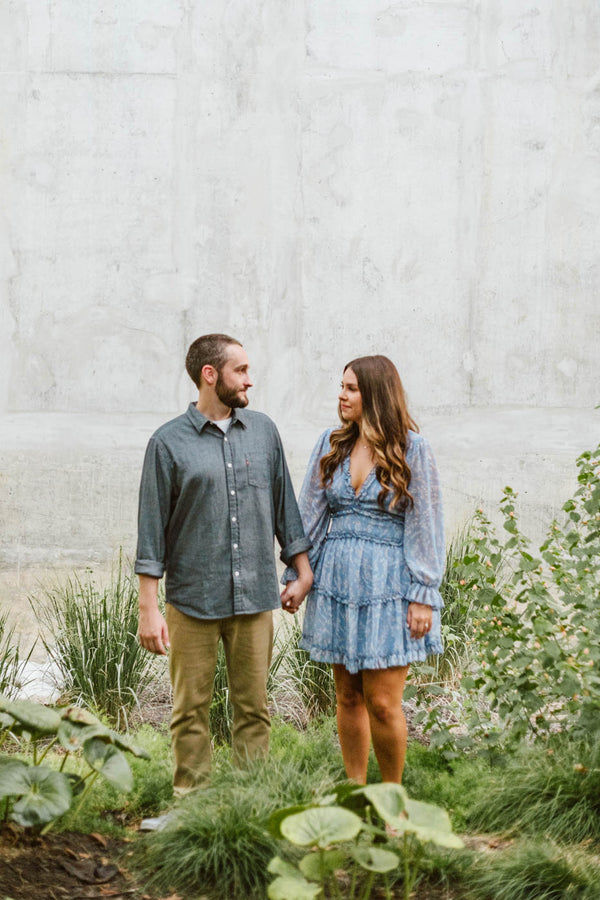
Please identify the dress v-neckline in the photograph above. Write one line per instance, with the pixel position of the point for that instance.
(368, 476)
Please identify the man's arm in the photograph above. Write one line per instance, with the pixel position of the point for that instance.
(152, 628)
(294, 593)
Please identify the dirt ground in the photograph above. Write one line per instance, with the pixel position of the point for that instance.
(65, 867)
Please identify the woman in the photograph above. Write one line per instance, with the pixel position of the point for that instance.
(372, 508)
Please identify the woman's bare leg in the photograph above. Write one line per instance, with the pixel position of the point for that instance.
(382, 691)
(353, 723)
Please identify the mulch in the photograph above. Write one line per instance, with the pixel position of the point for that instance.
(65, 867)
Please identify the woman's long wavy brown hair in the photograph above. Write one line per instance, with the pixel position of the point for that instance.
(385, 425)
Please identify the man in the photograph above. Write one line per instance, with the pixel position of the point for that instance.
(215, 490)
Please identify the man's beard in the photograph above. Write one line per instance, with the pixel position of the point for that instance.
(228, 396)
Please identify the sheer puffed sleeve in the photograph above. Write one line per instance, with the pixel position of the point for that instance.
(313, 505)
(424, 527)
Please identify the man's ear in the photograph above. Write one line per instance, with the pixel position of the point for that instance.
(209, 374)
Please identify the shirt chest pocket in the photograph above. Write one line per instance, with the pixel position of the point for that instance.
(257, 471)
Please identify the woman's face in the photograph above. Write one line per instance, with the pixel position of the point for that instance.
(350, 398)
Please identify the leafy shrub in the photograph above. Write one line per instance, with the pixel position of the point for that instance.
(93, 643)
(537, 634)
(37, 795)
(340, 833)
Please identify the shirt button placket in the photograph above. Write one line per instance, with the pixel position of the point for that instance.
(236, 568)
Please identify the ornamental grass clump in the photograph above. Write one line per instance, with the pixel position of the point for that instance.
(216, 842)
(90, 634)
(551, 791)
(12, 663)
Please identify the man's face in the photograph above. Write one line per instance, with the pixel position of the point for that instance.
(233, 380)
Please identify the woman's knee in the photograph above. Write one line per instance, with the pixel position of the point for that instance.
(349, 699)
(383, 708)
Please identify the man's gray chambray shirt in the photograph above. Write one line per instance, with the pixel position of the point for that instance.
(210, 507)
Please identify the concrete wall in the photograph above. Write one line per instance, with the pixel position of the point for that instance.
(322, 179)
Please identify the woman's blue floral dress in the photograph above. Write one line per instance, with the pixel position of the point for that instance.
(369, 563)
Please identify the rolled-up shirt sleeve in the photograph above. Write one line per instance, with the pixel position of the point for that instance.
(288, 524)
(154, 510)
(424, 529)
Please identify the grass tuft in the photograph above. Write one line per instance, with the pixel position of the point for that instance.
(538, 870)
(554, 792)
(93, 643)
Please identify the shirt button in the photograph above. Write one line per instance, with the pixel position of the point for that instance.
(235, 546)
(232, 493)
(233, 519)
(237, 574)
(228, 465)
(225, 439)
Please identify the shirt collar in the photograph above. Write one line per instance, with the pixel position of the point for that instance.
(200, 421)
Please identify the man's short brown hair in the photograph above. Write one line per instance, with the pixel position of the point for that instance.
(207, 350)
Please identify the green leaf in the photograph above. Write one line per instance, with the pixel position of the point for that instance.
(13, 778)
(123, 743)
(284, 888)
(276, 818)
(35, 717)
(48, 796)
(375, 860)
(430, 823)
(109, 762)
(389, 800)
(6, 721)
(321, 826)
(318, 866)
(72, 736)
(80, 716)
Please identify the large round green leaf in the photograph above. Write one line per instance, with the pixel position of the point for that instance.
(291, 884)
(79, 715)
(430, 823)
(13, 778)
(375, 859)
(389, 800)
(48, 796)
(6, 721)
(123, 743)
(321, 826)
(317, 866)
(72, 736)
(109, 762)
(35, 717)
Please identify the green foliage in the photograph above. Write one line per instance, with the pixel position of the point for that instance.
(37, 795)
(341, 831)
(216, 842)
(537, 634)
(93, 642)
(535, 871)
(12, 664)
(547, 791)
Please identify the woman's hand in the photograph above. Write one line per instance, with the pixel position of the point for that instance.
(419, 619)
(295, 592)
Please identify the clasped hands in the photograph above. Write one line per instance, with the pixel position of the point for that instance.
(294, 593)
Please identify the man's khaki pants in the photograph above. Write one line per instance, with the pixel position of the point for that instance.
(248, 644)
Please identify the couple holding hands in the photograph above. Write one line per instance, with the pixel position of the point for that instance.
(364, 545)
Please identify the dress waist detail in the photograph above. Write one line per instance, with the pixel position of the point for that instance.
(381, 528)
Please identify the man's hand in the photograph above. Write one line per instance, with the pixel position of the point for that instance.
(152, 628)
(153, 632)
(419, 619)
(294, 592)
